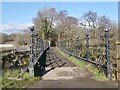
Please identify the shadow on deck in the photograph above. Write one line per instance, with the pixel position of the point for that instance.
(48, 59)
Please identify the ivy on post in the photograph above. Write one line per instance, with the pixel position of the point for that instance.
(31, 62)
(109, 66)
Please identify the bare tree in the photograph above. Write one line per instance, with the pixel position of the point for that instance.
(90, 18)
(104, 22)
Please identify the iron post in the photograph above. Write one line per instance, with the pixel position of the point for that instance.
(68, 45)
(87, 45)
(36, 45)
(31, 63)
(77, 41)
(71, 40)
(109, 66)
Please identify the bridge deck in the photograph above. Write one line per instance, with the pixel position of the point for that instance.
(54, 59)
(61, 73)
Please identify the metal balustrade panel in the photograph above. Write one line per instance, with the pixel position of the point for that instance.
(88, 49)
(37, 48)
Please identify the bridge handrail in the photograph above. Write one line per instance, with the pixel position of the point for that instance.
(74, 50)
(37, 48)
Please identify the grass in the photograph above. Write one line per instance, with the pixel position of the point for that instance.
(98, 74)
(24, 81)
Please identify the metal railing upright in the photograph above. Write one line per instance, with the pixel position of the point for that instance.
(37, 48)
(82, 48)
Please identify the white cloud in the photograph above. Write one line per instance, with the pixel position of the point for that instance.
(14, 27)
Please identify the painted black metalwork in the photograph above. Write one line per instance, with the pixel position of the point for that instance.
(37, 48)
(83, 49)
(77, 45)
(109, 67)
(87, 45)
(31, 62)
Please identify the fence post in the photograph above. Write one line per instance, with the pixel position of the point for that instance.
(109, 67)
(118, 60)
(31, 63)
(87, 45)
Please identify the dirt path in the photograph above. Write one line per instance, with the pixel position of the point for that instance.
(61, 73)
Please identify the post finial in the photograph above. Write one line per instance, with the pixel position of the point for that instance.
(106, 30)
(32, 28)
